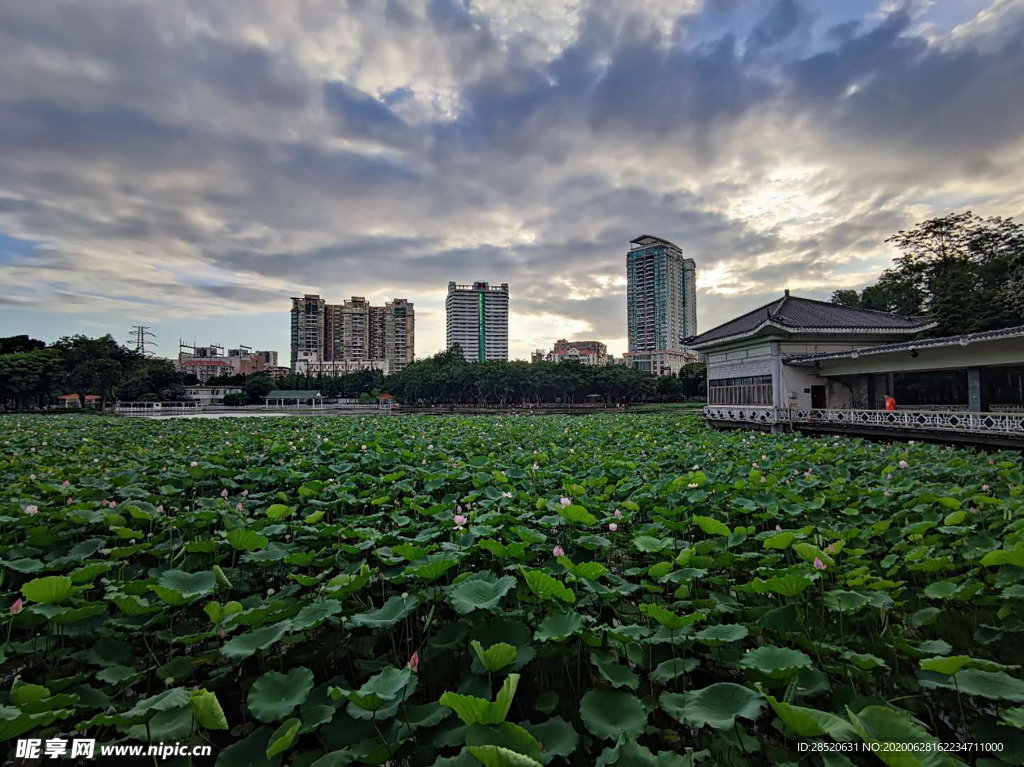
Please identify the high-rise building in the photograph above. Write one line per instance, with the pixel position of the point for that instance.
(354, 332)
(477, 320)
(308, 319)
(661, 305)
(399, 334)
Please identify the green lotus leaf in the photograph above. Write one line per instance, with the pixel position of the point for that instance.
(274, 695)
(788, 585)
(846, 601)
(189, 585)
(650, 545)
(544, 587)
(945, 665)
(590, 571)
(207, 710)
(995, 685)
(244, 539)
(473, 710)
(283, 738)
(609, 713)
(669, 619)
(809, 552)
(505, 735)
(670, 669)
(776, 663)
(577, 514)
(558, 627)
(48, 590)
(779, 540)
(881, 725)
(480, 591)
(1013, 557)
(717, 706)
(864, 661)
(244, 645)
(617, 674)
(711, 526)
(495, 657)
(496, 756)
(396, 609)
(716, 636)
(558, 736)
(250, 751)
(315, 614)
(812, 723)
(629, 753)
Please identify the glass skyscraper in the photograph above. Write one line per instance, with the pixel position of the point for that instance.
(661, 305)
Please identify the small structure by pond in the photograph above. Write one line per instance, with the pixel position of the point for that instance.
(294, 398)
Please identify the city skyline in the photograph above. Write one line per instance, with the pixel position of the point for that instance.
(182, 166)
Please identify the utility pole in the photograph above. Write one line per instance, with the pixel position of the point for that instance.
(140, 334)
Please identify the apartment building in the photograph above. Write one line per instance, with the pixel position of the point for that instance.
(477, 320)
(661, 305)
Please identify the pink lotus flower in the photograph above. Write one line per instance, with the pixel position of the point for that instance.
(65, 483)
(238, 506)
(613, 527)
(565, 501)
(160, 509)
(414, 662)
(831, 548)
(778, 528)
(985, 488)
(558, 551)
(818, 564)
(224, 493)
(221, 634)
(16, 607)
(70, 501)
(194, 463)
(469, 506)
(458, 508)
(31, 509)
(903, 464)
(430, 447)
(460, 520)
(163, 468)
(618, 514)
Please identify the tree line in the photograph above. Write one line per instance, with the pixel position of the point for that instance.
(33, 375)
(446, 378)
(964, 270)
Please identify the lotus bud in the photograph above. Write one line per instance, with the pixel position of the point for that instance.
(558, 551)
(818, 564)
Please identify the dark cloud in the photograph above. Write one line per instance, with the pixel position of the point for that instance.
(199, 159)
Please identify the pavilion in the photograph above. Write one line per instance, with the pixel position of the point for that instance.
(812, 366)
(294, 398)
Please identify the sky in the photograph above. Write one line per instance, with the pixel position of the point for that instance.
(190, 165)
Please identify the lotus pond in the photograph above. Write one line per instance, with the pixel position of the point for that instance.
(611, 590)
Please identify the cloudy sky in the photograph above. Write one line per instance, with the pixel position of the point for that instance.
(191, 165)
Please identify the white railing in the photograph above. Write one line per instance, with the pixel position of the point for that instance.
(746, 413)
(1002, 422)
(156, 408)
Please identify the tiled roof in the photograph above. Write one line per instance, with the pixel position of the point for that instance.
(293, 394)
(924, 343)
(804, 314)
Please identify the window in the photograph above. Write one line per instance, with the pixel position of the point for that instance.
(751, 390)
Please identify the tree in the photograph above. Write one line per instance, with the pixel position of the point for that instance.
(95, 365)
(29, 376)
(966, 271)
(846, 298)
(15, 344)
(152, 379)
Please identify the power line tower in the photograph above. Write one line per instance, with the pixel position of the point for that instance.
(141, 335)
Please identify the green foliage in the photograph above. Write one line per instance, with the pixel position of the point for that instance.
(338, 617)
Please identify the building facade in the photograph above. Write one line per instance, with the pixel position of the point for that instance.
(661, 305)
(477, 320)
(584, 352)
(206, 362)
(353, 332)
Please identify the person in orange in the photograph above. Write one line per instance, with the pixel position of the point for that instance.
(890, 402)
